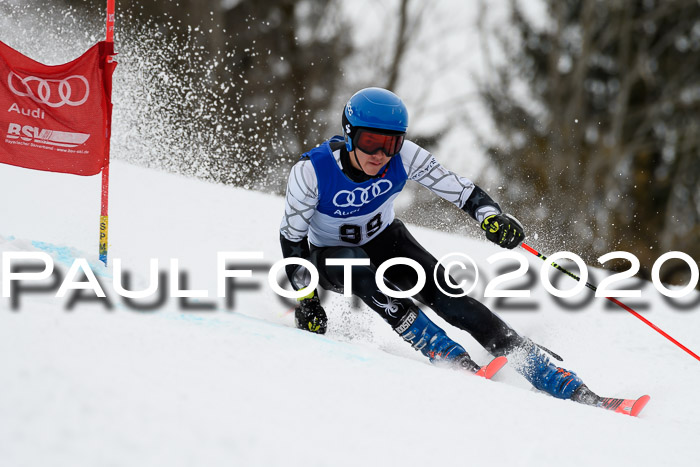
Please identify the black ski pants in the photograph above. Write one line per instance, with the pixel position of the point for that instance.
(396, 241)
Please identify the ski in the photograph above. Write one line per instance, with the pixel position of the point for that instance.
(487, 371)
(624, 406)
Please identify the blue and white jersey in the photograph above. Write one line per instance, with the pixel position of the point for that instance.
(323, 203)
(347, 212)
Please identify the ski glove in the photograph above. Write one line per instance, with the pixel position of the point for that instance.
(310, 315)
(503, 230)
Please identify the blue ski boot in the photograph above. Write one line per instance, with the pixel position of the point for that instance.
(545, 376)
(425, 336)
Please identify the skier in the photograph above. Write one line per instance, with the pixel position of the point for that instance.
(339, 204)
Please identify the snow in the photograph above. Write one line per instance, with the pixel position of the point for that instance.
(84, 384)
(180, 387)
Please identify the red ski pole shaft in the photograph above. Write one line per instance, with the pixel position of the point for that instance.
(614, 300)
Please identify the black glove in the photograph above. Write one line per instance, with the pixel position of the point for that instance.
(503, 230)
(310, 316)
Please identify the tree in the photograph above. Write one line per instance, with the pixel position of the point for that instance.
(231, 91)
(596, 112)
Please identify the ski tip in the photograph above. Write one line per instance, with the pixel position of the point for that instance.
(639, 405)
(493, 367)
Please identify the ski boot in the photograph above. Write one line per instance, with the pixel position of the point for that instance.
(426, 337)
(583, 395)
(547, 377)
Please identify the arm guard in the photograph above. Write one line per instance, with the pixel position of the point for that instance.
(298, 276)
(479, 205)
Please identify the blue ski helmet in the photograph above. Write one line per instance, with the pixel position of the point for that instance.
(374, 108)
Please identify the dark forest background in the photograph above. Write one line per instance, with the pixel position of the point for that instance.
(594, 110)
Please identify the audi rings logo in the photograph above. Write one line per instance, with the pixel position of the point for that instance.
(361, 196)
(73, 90)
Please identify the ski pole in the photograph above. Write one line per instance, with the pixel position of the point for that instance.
(614, 300)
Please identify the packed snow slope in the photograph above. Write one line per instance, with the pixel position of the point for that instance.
(82, 384)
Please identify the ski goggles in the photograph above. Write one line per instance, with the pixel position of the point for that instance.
(370, 142)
